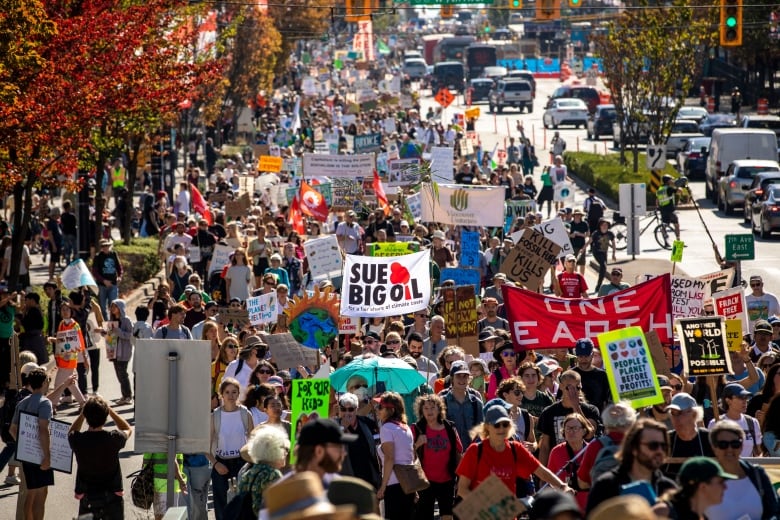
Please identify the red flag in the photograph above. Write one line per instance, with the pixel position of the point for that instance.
(296, 218)
(199, 205)
(380, 194)
(312, 203)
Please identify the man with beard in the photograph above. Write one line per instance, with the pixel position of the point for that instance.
(380, 223)
(641, 456)
(361, 460)
(660, 412)
(321, 448)
(415, 347)
(196, 313)
(491, 319)
(595, 384)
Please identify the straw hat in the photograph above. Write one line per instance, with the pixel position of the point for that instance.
(302, 497)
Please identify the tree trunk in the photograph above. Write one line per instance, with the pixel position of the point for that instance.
(22, 213)
(132, 174)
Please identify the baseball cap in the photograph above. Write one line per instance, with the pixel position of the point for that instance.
(772, 320)
(439, 234)
(323, 431)
(734, 390)
(551, 503)
(275, 381)
(190, 288)
(548, 366)
(682, 402)
(211, 304)
(616, 270)
(701, 469)
(570, 258)
(583, 347)
(373, 335)
(763, 326)
(499, 276)
(489, 301)
(459, 367)
(497, 414)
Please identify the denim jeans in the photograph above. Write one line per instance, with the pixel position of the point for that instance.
(120, 367)
(219, 485)
(198, 478)
(69, 248)
(94, 371)
(106, 295)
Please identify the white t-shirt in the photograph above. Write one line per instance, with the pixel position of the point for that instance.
(403, 440)
(175, 238)
(25, 260)
(242, 377)
(750, 442)
(258, 417)
(231, 436)
(741, 501)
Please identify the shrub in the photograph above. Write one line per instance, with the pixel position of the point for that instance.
(140, 261)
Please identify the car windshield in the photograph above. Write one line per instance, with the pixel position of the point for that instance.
(609, 113)
(769, 181)
(748, 172)
(687, 127)
(720, 119)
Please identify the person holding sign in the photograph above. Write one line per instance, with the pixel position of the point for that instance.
(67, 346)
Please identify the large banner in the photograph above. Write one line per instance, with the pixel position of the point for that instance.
(462, 205)
(703, 345)
(386, 286)
(629, 366)
(542, 321)
(352, 166)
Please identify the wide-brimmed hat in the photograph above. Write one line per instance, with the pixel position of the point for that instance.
(439, 234)
(354, 491)
(497, 351)
(301, 496)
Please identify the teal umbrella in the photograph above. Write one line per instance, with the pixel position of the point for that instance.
(397, 375)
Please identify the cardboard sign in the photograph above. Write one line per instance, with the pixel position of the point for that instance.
(262, 310)
(442, 158)
(731, 305)
(235, 209)
(68, 344)
(367, 143)
(349, 325)
(462, 276)
(232, 317)
(717, 281)
(734, 335)
(459, 310)
(491, 500)
(386, 286)
(629, 367)
(269, 163)
(220, 258)
(324, 255)
(555, 230)
(657, 353)
(218, 197)
(472, 113)
(687, 296)
(392, 248)
(28, 446)
(703, 343)
(530, 259)
(469, 249)
(288, 353)
(310, 401)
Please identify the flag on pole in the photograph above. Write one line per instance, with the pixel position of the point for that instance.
(200, 205)
(493, 161)
(296, 218)
(382, 47)
(312, 203)
(381, 198)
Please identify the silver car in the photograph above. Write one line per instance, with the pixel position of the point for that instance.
(737, 181)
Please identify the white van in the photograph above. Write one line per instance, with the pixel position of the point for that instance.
(731, 144)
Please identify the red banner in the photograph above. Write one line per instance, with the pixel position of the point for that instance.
(540, 321)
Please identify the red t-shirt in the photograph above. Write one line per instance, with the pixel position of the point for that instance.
(572, 284)
(559, 456)
(437, 454)
(591, 452)
(500, 464)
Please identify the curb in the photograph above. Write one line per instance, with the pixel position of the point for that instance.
(145, 290)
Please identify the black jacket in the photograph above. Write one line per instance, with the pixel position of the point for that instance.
(608, 485)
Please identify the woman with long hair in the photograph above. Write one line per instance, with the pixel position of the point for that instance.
(262, 372)
(211, 333)
(228, 352)
(255, 396)
(179, 277)
(702, 486)
(511, 390)
(238, 279)
(771, 427)
(397, 447)
(534, 400)
(506, 356)
(439, 449)
(274, 405)
(562, 457)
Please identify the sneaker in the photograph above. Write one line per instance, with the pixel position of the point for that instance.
(12, 480)
(124, 401)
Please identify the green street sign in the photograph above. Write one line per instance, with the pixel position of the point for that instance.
(449, 2)
(740, 247)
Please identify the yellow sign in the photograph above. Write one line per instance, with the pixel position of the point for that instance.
(269, 163)
(677, 250)
(472, 113)
(734, 335)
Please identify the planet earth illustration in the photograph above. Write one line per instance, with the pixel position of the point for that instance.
(314, 328)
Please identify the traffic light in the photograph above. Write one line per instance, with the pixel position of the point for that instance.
(575, 3)
(730, 23)
(447, 11)
(547, 10)
(515, 4)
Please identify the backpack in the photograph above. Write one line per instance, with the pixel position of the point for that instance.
(595, 209)
(246, 415)
(523, 488)
(142, 486)
(12, 398)
(605, 459)
(185, 329)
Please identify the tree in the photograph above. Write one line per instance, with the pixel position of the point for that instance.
(650, 59)
(298, 20)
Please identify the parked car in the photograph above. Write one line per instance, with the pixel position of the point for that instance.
(480, 89)
(757, 187)
(692, 159)
(765, 213)
(682, 130)
(511, 93)
(565, 111)
(694, 113)
(737, 180)
(600, 121)
(415, 68)
(713, 121)
(588, 94)
(731, 144)
(526, 75)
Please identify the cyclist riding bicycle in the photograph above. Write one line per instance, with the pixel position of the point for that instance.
(665, 198)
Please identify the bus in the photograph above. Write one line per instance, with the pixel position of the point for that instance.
(452, 49)
(430, 41)
(479, 56)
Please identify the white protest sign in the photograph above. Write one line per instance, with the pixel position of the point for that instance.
(262, 309)
(414, 203)
(220, 258)
(442, 158)
(555, 230)
(28, 445)
(462, 205)
(349, 325)
(731, 305)
(563, 192)
(77, 275)
(68, 345)
(687, 296)
(717, 281)
(351, 166)
(193, 254)
(389, 124)
(324, 255)
(403, 172)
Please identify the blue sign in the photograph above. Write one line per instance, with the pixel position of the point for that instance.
(463, 277)
(469, 249)
(367, 143)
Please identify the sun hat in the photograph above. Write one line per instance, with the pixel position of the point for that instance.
(301, 496)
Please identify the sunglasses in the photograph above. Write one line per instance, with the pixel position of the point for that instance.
(756, 284)
(502, 425)
(359, 385)
(347, 409)
(231, 346)
(393, 342)
(572, 429)
(656, 445)
(734, 445)
(269, 283)
(422, 315)
(517, 392)
(265, 371)
(677, 387)
(508, 353)
(369, 341)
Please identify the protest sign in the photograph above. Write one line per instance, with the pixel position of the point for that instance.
(310, 400)
(262, 309)
(519, 208)
(414, 203)
(717, 281)
(731, 305)
(349, 166)
(544, 321)
(193, 254)
(563, 192)
(463, 276)
(220, 258)
(677, 251)
(324, 255)
(233, 318)
(403, 172)
(660, 361)
(76, 275)
(462, 205)
(68, 344)
(687, 296)
(367, 143)
(349, 325)
(734, 335)
(491, 500)
(288, 353)
(392, 248)
(269, 163)
(386, 286)
(629, 367)
(469, 249)
(459, 310)
(530, 259)
(237, 208)
(556, 231)
(442, 158)
(703, 344)
(28, 446)
(313, 317)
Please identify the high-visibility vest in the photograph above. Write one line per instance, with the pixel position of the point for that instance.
(118, 177)
(665, 196)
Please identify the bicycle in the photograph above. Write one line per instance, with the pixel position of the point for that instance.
(662, 230)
